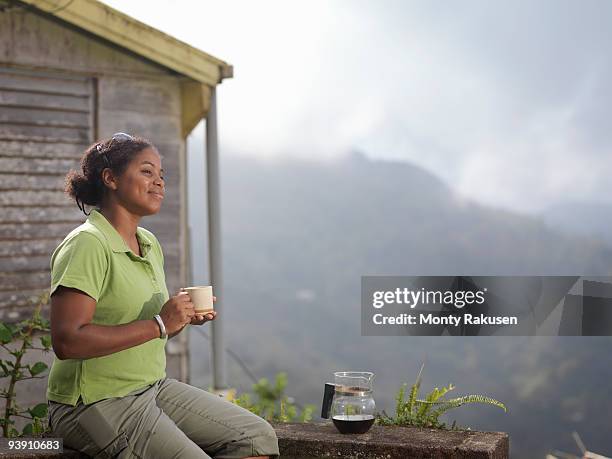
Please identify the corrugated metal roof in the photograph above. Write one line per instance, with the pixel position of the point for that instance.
(99, 19)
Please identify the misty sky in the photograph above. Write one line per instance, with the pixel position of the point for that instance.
(509, 102)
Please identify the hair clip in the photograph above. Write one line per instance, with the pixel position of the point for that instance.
(102, 153)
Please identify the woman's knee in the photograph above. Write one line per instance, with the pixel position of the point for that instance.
(264, 440)
(264, 428)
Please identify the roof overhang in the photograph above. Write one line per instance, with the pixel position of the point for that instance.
(109, 24)
(202, 70)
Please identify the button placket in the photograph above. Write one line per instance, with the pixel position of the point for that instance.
(151, 273)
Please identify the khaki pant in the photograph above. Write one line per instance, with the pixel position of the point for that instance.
(168, 419)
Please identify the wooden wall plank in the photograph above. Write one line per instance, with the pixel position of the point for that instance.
(26, 231)
(29, 149)
(22, 131)
(29, 263)
(42, 214)
(38, 166)
(34, 198)
(31, 182)
(140, 96)
(17, 314)
(11, 98)
(24, 115)
(158, 226)
(18, 302)
(41, 139)
(152, 127)
(32, 247)
(39, 81)
(167, 148)
(168, 211)
(24, 281)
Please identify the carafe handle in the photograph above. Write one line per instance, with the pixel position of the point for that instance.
(328, 396)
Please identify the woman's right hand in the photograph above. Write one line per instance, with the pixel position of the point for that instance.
(177, 312)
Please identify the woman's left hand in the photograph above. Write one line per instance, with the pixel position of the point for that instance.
(200, 319)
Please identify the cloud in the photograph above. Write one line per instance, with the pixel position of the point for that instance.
(508, 102)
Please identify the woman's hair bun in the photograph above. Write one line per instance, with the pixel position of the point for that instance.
(82, 189)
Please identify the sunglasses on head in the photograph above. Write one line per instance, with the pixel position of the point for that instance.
(121, 136)
(117, 137)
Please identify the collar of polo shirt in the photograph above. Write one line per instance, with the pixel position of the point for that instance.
(115, 241)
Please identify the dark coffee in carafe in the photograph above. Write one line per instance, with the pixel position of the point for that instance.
(353, 423)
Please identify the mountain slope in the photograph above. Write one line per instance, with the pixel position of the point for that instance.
(298, 236)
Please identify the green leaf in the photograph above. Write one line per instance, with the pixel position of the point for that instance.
(414, 392)
(424, 407)
(38, 368)
(457, 402)
(46, 341)
(5, 333)
(38, 428)
(39, 411)
(16, 353)
(306, 415)
(28, 430)
(400, 405)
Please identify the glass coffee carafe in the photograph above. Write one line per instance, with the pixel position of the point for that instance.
(350, 402)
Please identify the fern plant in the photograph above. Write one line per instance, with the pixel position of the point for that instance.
(426, 413)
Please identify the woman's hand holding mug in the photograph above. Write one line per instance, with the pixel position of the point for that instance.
(177, 312)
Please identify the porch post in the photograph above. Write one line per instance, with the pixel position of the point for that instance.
(214, 243)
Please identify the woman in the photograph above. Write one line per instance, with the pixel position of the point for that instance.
(111, 316)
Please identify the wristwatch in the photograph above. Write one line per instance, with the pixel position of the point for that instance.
(162, 327)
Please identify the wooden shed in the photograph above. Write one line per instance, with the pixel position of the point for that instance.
(72, 72)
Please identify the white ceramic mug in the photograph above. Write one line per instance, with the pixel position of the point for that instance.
(201, 297)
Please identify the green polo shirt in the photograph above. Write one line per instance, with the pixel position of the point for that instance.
(95, 259)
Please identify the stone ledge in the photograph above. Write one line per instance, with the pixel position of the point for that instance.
(321, 440)
(315, 440)
(67, 454)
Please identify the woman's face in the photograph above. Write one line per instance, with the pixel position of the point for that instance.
(140, 188)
